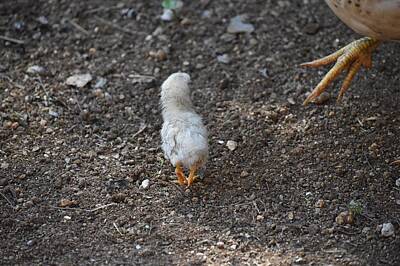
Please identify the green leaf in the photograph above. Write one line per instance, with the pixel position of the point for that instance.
(169, 4)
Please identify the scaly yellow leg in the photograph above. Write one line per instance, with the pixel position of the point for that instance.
(179, 173)
(192, 175)
(351, 57)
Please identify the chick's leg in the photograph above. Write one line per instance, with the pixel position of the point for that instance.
(192, 175)
(179, 173)
(351, 58)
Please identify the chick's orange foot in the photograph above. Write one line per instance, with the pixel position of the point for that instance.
(181, 176)
(350, 58)
(192, 176)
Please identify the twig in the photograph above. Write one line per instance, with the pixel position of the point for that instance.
(5, 38)
(139, 131)
(102, 207)
(9, 201)
(117, 27)
(79, 27)
(116, 227)
(100, 9)
(80, 209)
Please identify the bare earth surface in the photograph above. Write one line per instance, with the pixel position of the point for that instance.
(72, 160)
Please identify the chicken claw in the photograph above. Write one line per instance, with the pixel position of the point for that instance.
(181, 176)
(351, 57)
(192, 176)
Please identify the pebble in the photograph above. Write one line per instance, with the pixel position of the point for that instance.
(186, 22)
(43, 20)
(225, 59)
(220, 244)
(167, 15)
(118, 198)
(398, 182)
(231, 144)
(323, 98)
(236, 25)
(4, 165)
(387, 229)
(160, 55)
(320, 203)
(244, 173)
(14, 125)
(100, 82)
(53, 113)
(35, 69)
(67, 203)
(3, 182)
(345, 217)
(145, 184)
(79, 80)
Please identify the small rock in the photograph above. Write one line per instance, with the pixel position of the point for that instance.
(398, 182)
(345, 217)
(53, 113)
(145, 184)
(263, 72)
(4, 165)
(323, 98)
(291, 215)
(67, 203)
(244, 173)
(35, 69)
(43, 122)
(320, 203)
(30, 243)
(236, 25)
(79, 80)
(128, 12)
(206, 14)
(43, 20)
(66, 217)
(220, 244)
(3, 182)
(100, 83)
(167, 15)
(291, 101)
(231, 144)
(186, 22)
(387, 230)
(224, 59)
(311, 28)
(119, 197)
(161, 55)
(259, 218)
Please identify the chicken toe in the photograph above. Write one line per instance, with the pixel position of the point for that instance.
(350, 58)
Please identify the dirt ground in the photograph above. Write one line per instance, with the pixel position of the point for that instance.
(73, 159)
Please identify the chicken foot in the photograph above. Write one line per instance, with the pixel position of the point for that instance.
(351, 58)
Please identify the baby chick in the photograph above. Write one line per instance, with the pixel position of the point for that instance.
(183, 135)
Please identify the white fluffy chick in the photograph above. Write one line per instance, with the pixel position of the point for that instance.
(183, 134)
